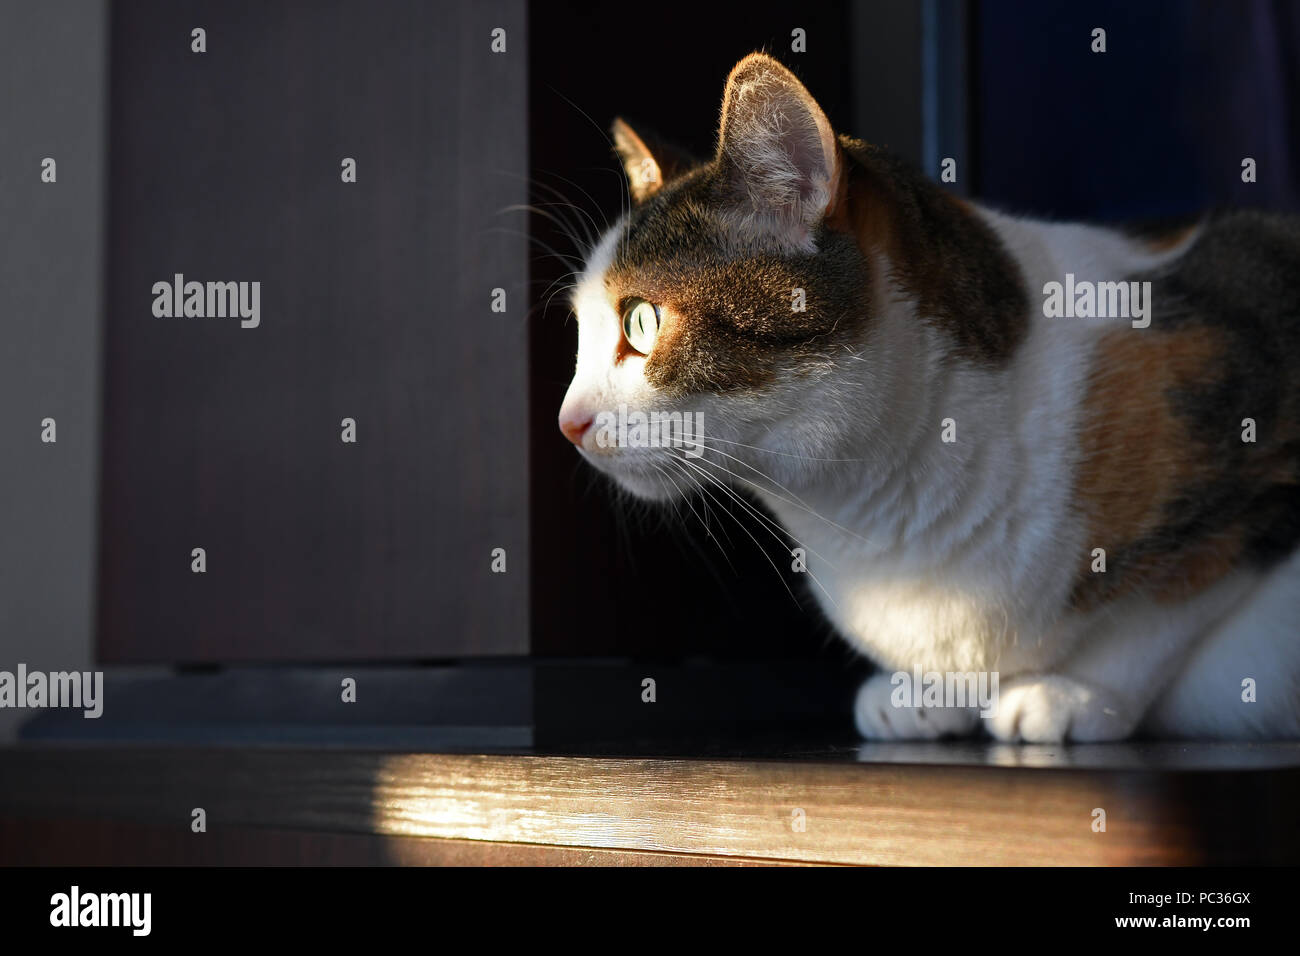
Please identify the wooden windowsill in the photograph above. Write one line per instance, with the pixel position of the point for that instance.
(960, 803)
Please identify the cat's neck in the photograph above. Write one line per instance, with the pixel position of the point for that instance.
(939, 459)
(912, 531)
(922, 450)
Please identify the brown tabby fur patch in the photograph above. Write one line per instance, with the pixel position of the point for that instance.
(728, 321)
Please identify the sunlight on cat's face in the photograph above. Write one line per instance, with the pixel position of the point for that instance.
(602, 412)
(716, 316)
(696, 365)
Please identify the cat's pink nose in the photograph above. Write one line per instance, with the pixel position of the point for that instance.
(574, 424)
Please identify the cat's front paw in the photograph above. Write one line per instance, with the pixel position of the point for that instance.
(1050, 709)
(878, 718)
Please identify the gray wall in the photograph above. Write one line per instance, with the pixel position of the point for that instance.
(53, 71)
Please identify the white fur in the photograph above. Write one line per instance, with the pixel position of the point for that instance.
(960, 557)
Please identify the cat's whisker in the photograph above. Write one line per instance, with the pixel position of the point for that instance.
(579, 232)
(563, 199)
(741, 525)
(552, 288)
(750, 509)
(567, 260)
(783, 454)
(563, 225)
(627, 197)
(686, 496)
(757, 513)
(704, 443)
(590, 218)
(557, 286)
(536, 183)
(624, 198)
(708, 512)
(795, 503)
(709, 524)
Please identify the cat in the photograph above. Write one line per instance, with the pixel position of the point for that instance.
(1102, 511)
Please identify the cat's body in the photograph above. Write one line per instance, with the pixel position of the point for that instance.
(955, 465)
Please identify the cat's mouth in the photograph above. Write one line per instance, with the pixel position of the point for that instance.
(665, 476)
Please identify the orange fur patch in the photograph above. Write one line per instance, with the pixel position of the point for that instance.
(1137, 455)
(1172, 240)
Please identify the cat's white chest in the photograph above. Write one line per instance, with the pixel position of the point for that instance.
(903, 616)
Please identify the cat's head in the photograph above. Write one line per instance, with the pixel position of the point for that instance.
(730, 292)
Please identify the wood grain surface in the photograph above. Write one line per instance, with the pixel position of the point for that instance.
(855, 813)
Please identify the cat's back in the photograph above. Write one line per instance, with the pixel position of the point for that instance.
(1240, 270)
(1189, 457)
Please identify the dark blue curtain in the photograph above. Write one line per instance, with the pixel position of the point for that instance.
(1155, 127)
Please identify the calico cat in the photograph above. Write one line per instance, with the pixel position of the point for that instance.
(1100, 508)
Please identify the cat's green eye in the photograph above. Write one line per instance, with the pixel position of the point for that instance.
(641, 325)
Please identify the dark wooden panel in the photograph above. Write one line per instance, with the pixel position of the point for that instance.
(375, 301)
(975, 812)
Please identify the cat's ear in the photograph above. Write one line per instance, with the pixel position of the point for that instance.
(779, 148)
(648, 162)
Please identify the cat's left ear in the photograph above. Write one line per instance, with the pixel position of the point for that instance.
(648, 162)
(780, 150)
